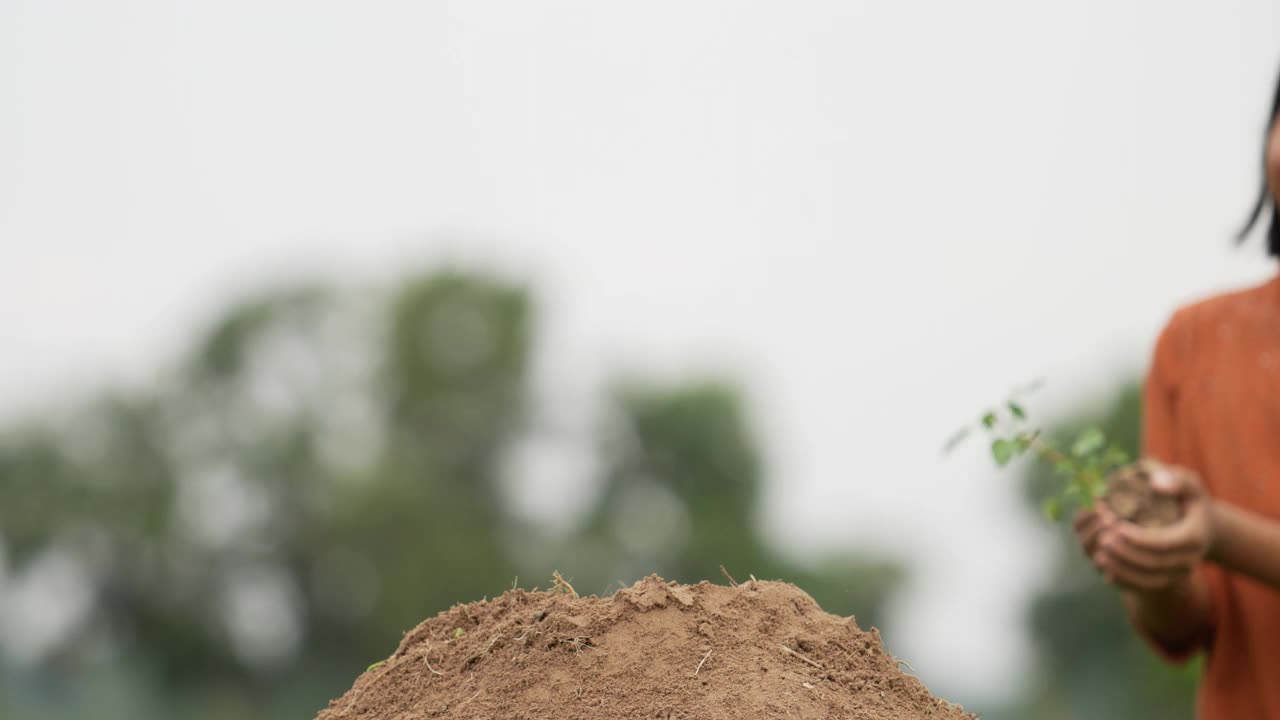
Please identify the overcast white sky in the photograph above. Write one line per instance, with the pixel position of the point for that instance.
(879, 215)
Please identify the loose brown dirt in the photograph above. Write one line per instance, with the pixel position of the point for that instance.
(656, 650)
(1131, 497)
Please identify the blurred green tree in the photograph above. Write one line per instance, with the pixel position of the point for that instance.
(682, 485)
(318, 476)
(244, 535)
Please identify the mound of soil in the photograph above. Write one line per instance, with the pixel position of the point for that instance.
(1131, 497)
(654, 650)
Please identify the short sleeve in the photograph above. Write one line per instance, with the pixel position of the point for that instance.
(1159, 398)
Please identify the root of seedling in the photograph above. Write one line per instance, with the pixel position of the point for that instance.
(476, 658)
(473, 697)
(699, 668)
(727, 576)
(559, 583)
(793, 652)
(427, 661)
(577, 642)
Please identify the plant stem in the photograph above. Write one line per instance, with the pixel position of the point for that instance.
(1047, 451)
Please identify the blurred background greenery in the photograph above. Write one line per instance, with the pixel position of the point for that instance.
(241, 538)
(218, 502)
(326, 467)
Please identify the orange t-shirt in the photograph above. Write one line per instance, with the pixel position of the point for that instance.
(1212, 404)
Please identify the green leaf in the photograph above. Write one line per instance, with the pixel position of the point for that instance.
(1092, 464)
(1053, 509)
(1095, 486)
(377, 664)
(989, 420)
(1002, 450)
(459, 632)
(1022, 443)
(1115, 458)
(1065, 468)
(1017, 410)
(1090, 441)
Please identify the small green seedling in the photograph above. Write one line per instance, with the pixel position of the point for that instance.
(1082, 469)
(458, 632)
(375, 665)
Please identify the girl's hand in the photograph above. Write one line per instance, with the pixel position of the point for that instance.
(1091, 527)
(1154, 560)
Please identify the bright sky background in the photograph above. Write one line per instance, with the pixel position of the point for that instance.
(879, 215)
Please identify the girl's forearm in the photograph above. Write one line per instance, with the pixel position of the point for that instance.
(1246, 543)
(1177, 619)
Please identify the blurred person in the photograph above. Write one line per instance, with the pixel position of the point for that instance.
(1211, 436)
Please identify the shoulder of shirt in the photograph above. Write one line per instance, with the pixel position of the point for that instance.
(1181, 338)
(1215, 308)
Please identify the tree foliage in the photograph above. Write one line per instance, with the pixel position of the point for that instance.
(246, 533)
